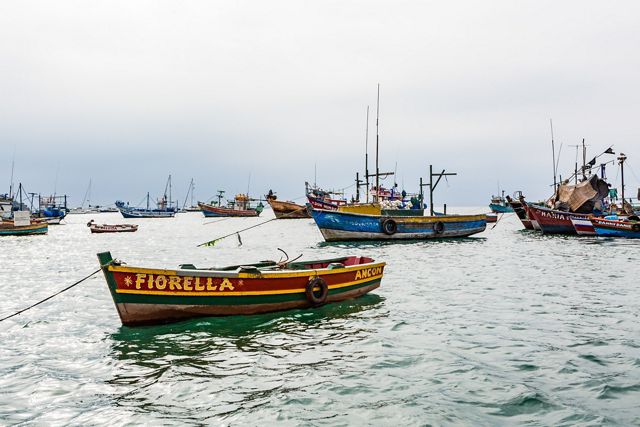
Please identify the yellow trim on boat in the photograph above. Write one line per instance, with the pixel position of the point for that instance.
(230, 294)
(234, 274)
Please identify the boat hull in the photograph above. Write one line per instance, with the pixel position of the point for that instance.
(131, 213)
(552, 221)
(214, 211)
(583, 226)
(342, 226)
(151, 296)
(8, 229)
(500, 208)
(616, 228)
(521, 211)
(97, 229)
(288, 210)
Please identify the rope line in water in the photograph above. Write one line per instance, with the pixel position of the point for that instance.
(213, 242)
(51, 296)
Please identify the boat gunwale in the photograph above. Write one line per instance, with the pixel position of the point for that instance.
(182, 272)
(403, 218)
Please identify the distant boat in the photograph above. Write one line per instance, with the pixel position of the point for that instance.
(53, 208)
(193, 207)
(492, 217)
(240, 206)
(86, 199)
(152, 296)
(286, 210)
(322, 199)
(111, 228)
(499, 204)
(346, 226)
(164, 207)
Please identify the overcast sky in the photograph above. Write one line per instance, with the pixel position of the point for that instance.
(127, 92)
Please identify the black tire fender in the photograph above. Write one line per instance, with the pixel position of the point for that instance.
(438, 227)
(317, 297)
(389, 226)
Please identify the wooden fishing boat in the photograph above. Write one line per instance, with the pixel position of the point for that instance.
(347, 226)
(8, 228)
(321, 199)
(148, 296)
(520, 209)
(552, 221)
(286, 210)
(628, 228)
(111, 228)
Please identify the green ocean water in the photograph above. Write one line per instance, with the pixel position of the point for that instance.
(505, 328)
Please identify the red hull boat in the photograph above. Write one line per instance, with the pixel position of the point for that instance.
(554, 222)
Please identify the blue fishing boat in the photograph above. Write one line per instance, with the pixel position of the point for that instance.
(499, 204)
(346, 226)
(609, 227)
(164, 207)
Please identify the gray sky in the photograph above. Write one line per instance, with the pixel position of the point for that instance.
(126, 92)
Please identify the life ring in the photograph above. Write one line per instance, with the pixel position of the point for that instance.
(635, 227)
(389, 226)
(317, 297)
(438, 227)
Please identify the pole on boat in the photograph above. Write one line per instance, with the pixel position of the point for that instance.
(621, 160)
(377, 144)
(366, 155)
(432, 185)
(553, 151)
(147, 200)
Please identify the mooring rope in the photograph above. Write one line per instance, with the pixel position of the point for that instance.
(213, 242)
(51, 296)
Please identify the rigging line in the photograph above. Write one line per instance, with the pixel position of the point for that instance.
(51, 296)
(212, 242)
(632, 172)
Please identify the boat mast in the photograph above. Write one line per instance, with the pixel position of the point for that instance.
(621, 160)
(169, 191)
(187, 196)
(377, 144)
(366, 155)
(553, 150)
(147, 200)
(13, 162)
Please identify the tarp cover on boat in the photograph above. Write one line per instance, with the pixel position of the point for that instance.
(582, 197)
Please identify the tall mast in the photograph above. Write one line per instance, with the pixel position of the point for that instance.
(377, 144)
(13, 161)
(584, 161)
(169, 190)
(366, 154)
(147, 200)
(553, 150)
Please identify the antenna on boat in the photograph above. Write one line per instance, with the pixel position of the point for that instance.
(315, 174)
(366, 154)
(377, 144)
(553, 150)
(248, 184)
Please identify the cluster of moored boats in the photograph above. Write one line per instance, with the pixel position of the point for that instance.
(588, 207)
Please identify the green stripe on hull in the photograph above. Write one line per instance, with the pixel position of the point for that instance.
(228, 300)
